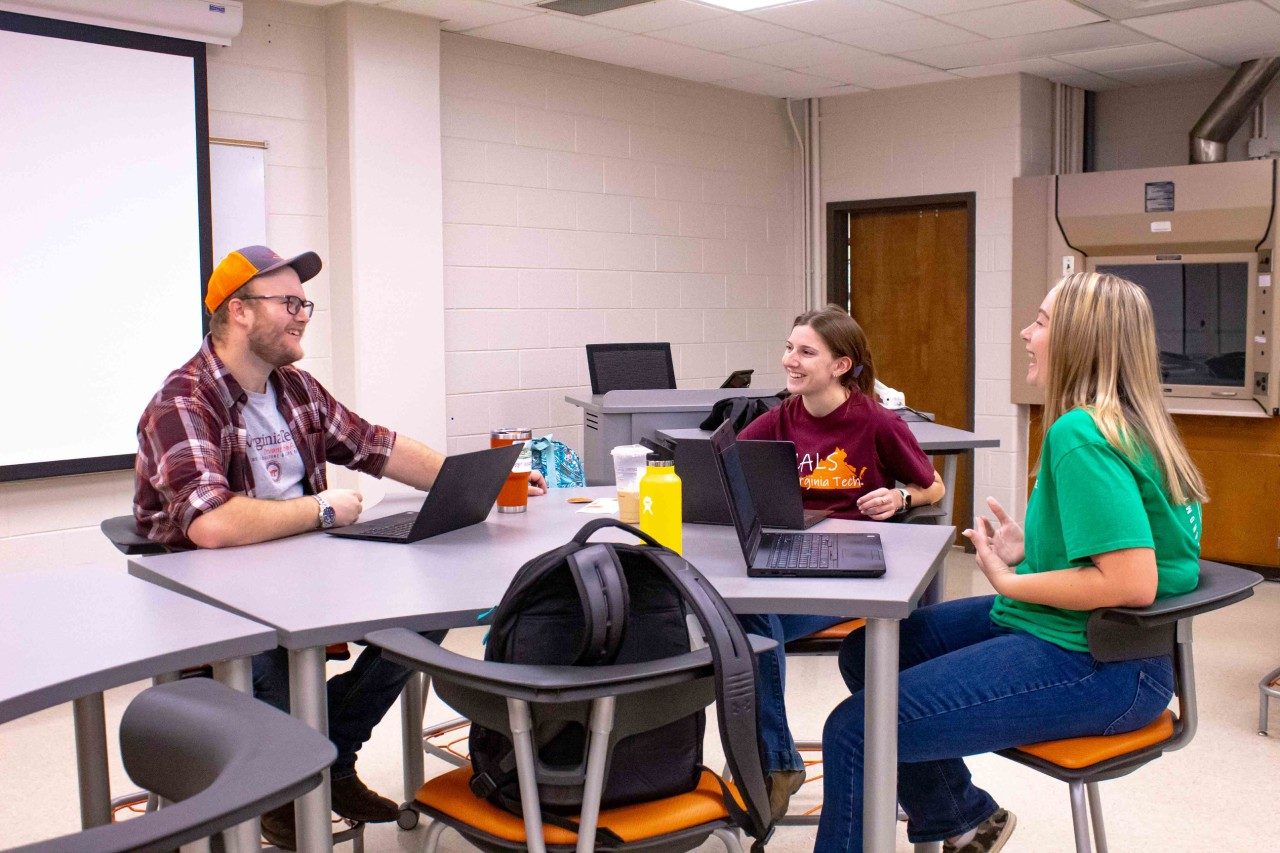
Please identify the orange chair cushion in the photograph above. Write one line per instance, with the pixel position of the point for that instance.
(838, 632)
(450, 795)
(1074, 753)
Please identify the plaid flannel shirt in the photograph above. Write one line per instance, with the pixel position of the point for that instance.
(192, 450)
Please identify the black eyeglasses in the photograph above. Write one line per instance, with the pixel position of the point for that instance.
(292, 304)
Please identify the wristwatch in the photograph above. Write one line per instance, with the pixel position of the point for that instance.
(906, 500)
(327, 515)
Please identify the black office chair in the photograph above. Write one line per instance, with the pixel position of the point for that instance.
(1130, 633)
(219, 757)
(516, 699)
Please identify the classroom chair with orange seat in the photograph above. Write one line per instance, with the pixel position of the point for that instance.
(1130, 633)
(612, 702)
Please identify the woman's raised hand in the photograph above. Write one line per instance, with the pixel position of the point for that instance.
(1006, 540)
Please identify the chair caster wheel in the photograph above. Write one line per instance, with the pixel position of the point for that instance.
(407, 819)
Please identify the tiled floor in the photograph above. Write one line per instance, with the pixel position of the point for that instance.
(1221, 793)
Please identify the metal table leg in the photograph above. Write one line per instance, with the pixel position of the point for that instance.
(949, 465)
(880, 771)
(90, 719)
(309, 702)
(238, 675)
(413, 702)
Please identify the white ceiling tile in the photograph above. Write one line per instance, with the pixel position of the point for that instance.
(1224, 34)
(732, 32)
(545, 32)
(906, 35)
(946, 7)
(878, 72)
(800, 52)
(459, 15)
(631, 51)
(1058, 72)
(657, 15)
(704, 66)
(820, 17)
(1028, 16)
(1130, 56)
(1032, 46)
(785, 84)
(1165, 73)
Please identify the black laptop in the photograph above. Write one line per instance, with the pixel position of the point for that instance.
(463, 494)
(788, 555)
(770, 467)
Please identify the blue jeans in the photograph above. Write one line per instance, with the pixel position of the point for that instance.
(771, 702)
(358, 698)
(969, 687)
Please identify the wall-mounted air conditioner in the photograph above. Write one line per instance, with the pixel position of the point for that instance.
(195, 20)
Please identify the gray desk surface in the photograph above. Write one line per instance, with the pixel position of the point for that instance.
(317, 589)
(664, 400)
(67, 633)
(933, 438)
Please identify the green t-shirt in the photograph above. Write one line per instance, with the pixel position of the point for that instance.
(1090, 499)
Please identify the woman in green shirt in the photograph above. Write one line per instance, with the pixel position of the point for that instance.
(1114, 520)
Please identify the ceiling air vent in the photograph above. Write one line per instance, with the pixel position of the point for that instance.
(588, 7)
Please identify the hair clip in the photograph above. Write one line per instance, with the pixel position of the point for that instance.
(857, 371)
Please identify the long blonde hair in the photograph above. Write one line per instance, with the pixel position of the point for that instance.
(1103, 357)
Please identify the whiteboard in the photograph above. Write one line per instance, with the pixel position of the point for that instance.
(238, 196)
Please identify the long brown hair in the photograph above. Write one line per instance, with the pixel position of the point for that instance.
(1103, 358)
(845, 338)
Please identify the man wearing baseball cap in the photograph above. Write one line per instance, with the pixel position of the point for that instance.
(232, 451)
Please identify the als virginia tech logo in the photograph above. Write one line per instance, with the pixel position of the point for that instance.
(833, 472)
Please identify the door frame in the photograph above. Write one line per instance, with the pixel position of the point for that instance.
(838, 245)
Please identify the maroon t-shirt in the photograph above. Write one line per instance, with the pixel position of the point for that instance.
(858, 448)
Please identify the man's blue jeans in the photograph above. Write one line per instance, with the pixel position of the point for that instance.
(779, 749)
(969, 687)
(358, 698)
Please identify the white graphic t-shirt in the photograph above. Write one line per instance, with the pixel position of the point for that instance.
(277, 466)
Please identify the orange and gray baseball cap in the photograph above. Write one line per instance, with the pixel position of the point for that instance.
(244, 265)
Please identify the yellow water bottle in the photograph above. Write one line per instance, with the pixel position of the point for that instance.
(660, 503)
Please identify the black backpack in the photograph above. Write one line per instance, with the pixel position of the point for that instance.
(740, 411)
(603, 603)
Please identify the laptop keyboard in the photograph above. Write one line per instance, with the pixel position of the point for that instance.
(398, 527)
(811, 551)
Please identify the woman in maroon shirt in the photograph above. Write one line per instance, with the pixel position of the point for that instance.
(850, 453)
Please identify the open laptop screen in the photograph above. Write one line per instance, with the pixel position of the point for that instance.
(724, 447)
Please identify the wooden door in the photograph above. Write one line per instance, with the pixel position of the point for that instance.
(910, 287)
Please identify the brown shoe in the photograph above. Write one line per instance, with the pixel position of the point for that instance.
(279, 828)
(782, 784)
(353, 800)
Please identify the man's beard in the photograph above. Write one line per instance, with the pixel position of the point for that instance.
(270, 348)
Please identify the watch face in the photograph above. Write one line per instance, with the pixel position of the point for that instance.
(327, 516)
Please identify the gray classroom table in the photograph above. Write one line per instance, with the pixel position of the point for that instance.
(934, 439)
(66, 635)
(316, 590)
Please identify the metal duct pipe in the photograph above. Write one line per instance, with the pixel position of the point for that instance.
(1219, 123)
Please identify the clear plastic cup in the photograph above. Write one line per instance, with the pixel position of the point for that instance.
(629, 461)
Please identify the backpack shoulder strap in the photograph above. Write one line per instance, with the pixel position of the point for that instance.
(735, 682)
(606, 600)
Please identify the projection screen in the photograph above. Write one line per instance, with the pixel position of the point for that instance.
(104, 236)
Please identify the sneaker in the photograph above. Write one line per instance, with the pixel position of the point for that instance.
(353, 800)
(990, 836)
(278, 827)
(782, 784)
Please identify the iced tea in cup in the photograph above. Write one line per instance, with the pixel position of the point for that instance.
(629, 461)
(514, 496)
